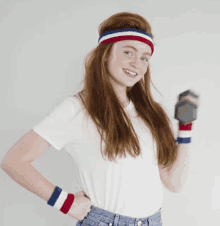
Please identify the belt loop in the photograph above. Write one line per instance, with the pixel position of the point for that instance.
(115, 222)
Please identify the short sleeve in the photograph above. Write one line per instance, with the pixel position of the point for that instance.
(55, 127)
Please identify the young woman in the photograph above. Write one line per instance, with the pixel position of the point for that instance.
(121, 178)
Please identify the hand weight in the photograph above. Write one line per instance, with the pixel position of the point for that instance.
(185, 110)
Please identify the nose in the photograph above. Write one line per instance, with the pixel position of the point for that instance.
(136, 64)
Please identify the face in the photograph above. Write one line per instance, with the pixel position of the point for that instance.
(122, 57)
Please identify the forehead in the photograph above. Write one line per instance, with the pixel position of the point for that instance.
(140, 46)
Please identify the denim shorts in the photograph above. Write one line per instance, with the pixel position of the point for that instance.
(100, 217)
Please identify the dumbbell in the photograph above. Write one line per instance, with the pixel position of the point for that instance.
(186, 110)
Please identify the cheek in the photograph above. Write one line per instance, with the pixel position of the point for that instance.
(117, 65)
(117, 58)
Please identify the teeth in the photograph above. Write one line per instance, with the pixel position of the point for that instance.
(130, 72)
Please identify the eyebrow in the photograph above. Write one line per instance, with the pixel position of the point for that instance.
(136, 49)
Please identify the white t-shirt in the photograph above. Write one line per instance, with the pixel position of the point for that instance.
(131, 187)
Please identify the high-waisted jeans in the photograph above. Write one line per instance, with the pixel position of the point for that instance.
(100, 217)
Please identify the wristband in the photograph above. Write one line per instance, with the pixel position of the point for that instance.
(185, 133)
(61, 200)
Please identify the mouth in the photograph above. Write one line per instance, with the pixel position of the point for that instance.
(130, 75)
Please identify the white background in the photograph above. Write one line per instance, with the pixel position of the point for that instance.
(42, 47)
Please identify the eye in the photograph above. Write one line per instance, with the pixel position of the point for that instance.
(127, 52)
(144, 58)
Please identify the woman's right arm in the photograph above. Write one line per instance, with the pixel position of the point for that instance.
(17, 164)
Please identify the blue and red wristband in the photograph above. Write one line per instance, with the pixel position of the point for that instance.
(185, 133)
(61, 200)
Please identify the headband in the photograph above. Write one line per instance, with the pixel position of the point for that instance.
(127, 34)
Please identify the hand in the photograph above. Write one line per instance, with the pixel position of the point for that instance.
(81, 206)
(191, 99)
(186, 107)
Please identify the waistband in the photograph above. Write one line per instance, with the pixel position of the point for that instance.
(102, 217)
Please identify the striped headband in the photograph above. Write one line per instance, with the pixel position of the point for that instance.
(127, 34)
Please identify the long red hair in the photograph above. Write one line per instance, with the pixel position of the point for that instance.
(105, 109)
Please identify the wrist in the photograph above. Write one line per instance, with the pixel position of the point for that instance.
(185, 126)
(61, 200)
(184, 133)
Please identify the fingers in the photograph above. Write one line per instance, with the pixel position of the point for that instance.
(192, 99)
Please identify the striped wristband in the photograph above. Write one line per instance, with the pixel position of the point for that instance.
(61, 200)
(185, 134)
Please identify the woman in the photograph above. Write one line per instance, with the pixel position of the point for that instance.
(122, 180)
(117, 86)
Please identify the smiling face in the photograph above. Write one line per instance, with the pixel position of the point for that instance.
(122, 57)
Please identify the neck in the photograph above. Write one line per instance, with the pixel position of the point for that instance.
(126, 103)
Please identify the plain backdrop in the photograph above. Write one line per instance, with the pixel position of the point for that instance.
(43, 44)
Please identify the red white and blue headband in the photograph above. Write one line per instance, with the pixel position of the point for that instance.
(127, 34)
